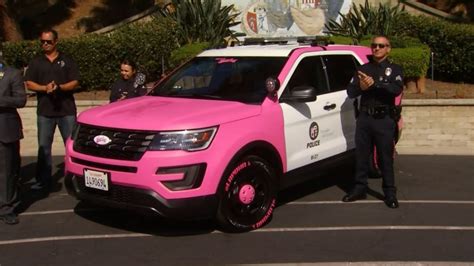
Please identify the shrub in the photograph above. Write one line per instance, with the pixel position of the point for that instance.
(363, 20)
(186, 52)
(451, 43)
(202, 21)
(409, 53)
(415, 61)
(98, 56)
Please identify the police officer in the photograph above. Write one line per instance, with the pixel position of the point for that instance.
(12, 96)
(378, 83)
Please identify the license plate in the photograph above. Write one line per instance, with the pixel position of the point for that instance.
(96, 179)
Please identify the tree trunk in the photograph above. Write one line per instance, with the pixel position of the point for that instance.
(411, 85)
(420, 84)
(10, 30)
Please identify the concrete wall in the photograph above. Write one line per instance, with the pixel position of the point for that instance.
(438, 127)
(430, 127)
(29, 145)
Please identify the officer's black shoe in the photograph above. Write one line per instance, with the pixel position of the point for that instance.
(391, 202)
(9, 218)
(353, 196)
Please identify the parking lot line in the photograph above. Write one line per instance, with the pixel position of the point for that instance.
(57, 211)
(468, 202)
(379, 201)
(262, 230)
(63, 238)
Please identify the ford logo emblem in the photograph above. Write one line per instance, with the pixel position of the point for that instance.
(102, 140)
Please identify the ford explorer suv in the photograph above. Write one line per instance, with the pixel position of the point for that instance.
(219, 136)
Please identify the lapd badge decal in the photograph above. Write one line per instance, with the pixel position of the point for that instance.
(388, 71)
(313, 130)
(313, 135)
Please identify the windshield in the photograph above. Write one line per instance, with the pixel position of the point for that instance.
(222, 78)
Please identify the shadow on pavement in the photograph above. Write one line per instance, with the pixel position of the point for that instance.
(29, 196)
(143, 223)
(155, 225)
(318, 180)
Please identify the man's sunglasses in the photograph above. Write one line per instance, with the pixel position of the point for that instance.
(379, 45)
(46, 41)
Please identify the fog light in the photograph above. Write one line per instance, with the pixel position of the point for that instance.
(192, 176)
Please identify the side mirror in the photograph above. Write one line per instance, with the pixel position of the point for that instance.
(300, 94)
(272, 85)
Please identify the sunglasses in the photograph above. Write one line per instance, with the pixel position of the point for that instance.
(379, 45)
(46, 41)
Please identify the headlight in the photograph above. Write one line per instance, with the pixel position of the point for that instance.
(188, 140)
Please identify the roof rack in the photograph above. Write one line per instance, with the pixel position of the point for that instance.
(265, 40)
(316, 40)
(311, 40)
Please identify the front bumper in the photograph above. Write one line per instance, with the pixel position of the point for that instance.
(142, 200)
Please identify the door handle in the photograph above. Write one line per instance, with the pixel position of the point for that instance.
(329, 107)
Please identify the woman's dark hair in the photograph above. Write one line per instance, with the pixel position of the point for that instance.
(129, 63)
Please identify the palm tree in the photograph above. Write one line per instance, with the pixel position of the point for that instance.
(202, 21)
(365, 20)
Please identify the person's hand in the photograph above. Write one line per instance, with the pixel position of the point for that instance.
(51, 87)
(122, 96)
(365, 80)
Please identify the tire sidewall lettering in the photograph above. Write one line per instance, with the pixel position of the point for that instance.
(234, 173)
(267, 216)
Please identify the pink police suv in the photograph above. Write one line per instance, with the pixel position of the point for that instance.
(219, 137)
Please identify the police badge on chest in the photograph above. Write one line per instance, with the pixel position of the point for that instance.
(388, 72)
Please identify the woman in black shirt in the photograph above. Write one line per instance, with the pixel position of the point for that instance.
(131, 84)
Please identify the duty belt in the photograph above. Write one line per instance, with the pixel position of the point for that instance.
(376, 111)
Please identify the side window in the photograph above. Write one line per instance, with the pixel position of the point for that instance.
(340, 69)
(309, 72)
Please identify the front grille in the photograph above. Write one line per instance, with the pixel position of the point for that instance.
(120, 168)
(125, 145)
(119, 194)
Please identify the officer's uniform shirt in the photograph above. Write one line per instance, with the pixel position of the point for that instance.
(388, 84)
(130, 88)
(62, 70)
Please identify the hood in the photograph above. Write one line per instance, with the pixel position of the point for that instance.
(166, 113)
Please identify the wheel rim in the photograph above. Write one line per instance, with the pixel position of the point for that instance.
(247, 194)
(249, 197)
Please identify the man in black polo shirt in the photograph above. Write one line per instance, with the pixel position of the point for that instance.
(53, 76)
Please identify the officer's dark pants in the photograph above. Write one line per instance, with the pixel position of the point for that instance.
(380, 132)
(9, 174)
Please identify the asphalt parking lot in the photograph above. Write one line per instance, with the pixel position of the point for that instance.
(434, 224)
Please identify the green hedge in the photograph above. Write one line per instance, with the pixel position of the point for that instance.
(99, 56)
(186, 52)
(451, 43)
(415, 61)
(409, 53)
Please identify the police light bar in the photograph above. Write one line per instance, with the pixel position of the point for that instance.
(317, 40)
(265, 40)
(311, 40)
